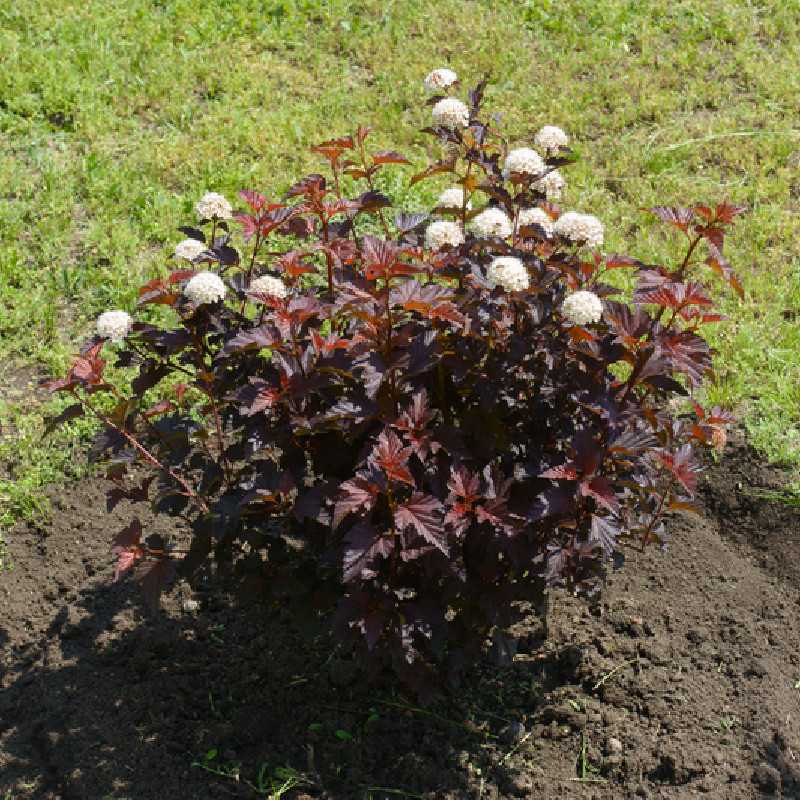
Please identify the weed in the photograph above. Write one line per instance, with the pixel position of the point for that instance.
(587, 772)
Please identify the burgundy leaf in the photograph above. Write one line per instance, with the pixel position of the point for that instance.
(434, 169)
(600, 489)
(390, 455)
(257, 396)
(563, 472)
(255, 200)
(681, 465)
(389, 157)
(688, 353)
(423, 513)
(605, 531)
(677, 216)
(727, 212)
(363, 547)
(127, 547)
(253, 339)
(69, 413)
(354, 495)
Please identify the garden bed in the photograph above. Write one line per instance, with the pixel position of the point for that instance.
(681, 682)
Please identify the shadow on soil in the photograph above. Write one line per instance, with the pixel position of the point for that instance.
(681, 680)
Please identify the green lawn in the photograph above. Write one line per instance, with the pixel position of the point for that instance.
(115, 115)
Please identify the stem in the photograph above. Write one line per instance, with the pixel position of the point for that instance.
(201, 351)
(146, 454)
(464, 199)
(654, 520)
(388, 352)
(252, 265)
(371, 185)
(335, 171)
(328, 256)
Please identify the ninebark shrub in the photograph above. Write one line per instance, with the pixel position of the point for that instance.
(408, 426)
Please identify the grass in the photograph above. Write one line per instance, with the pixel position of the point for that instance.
(115, 115)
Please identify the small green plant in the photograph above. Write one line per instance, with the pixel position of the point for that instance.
(267, 784)
(728, 723)
(587, 772)
(790, 497)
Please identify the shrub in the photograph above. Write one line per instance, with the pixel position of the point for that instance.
(410, 428)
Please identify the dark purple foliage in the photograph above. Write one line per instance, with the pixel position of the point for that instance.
(397, 444)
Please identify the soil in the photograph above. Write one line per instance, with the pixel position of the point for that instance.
(681, 682)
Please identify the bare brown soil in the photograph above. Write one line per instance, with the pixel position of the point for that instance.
(680, 683)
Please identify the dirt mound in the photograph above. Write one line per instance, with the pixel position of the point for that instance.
(679, 683)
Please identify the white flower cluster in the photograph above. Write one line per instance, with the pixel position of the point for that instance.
(189, 249)
(582, 308)
(551, 185)
(551, 139)
(492, 222)
(441, 78)
(273, 287)
(453, 198)
(510, 273)
(213, 206)
(205, 287)
(114, 325)
(523, 161)
(580, 228)
(451, 113)
(443, 232)
(536, 216)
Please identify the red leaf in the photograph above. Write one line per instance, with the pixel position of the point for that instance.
(705, 212)
(688, 353)
(677, 216)
(464, 484)
(354, 495)
(127, 547)
(673, 295)
(715, 236)
(379, 257)
(600, 490)
(616, 260)
(254, 339)
(389, 157)
(727, 212)
(156, 292)
(423, 513)
(447, 311)
(681, 466)
(434, 169)
(390, 455)
(162, 407)
(248, 223)
(363, 547)
(255, 200)
(257, 396)
(362, 132)
(563, 472)
(342, 143)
